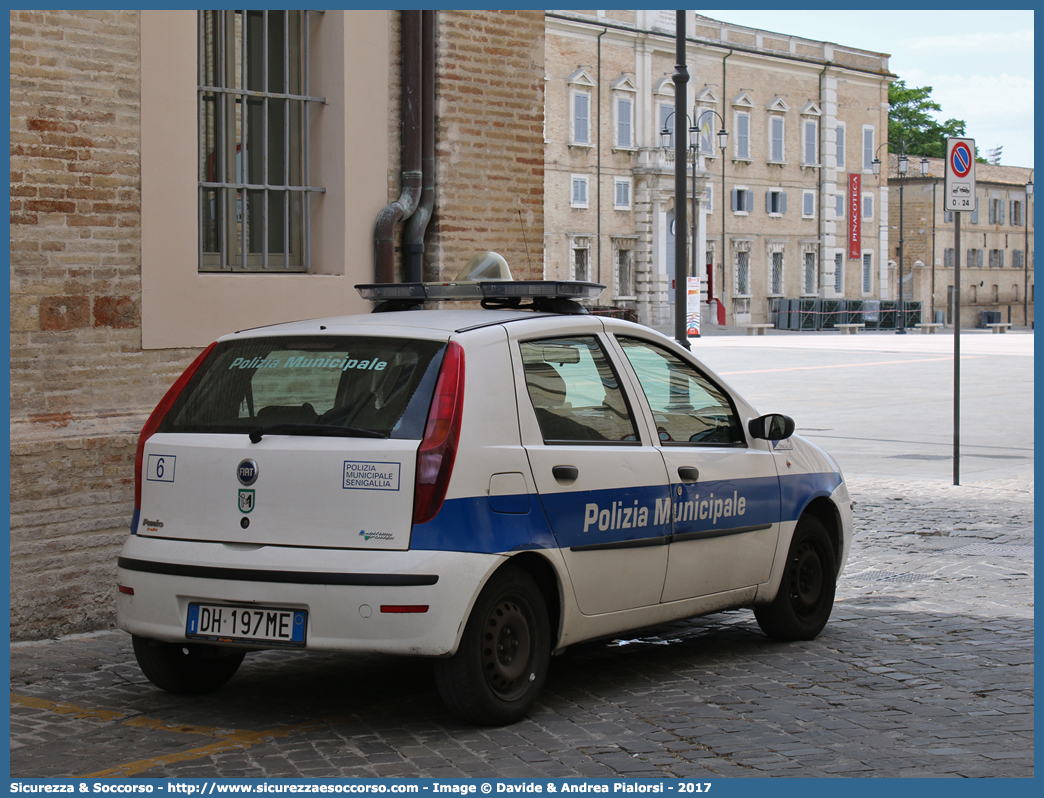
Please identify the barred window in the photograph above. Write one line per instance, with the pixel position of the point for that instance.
(581, 259)
(810, 272)
(868, 272)
(776, 273)
(253, 106)
(625, 273)
(839, 273)
(743, 272)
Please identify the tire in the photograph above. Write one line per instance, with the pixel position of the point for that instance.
(806, 592)
(499, 669)
(186, 668)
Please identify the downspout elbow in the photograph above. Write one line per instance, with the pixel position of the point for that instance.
(411, 177)
(387, 220)
(417, 225)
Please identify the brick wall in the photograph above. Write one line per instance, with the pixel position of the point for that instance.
(80, 384)
(490, 140)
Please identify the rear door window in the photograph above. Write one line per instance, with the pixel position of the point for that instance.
(575, 392)
(382, 385)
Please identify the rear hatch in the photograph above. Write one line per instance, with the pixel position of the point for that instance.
(293, 441)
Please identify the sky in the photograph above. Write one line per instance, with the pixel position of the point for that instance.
(978, 63)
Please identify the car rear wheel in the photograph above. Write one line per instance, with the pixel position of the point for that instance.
(806, 593)
(499, 668)
(186, 668)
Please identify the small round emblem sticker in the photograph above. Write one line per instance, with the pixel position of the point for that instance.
(247, 472)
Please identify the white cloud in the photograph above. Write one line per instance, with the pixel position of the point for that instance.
(997, 109)
(972, 44)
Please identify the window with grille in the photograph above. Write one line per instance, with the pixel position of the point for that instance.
(625, 273)
(776, 273)
(810, 272)
(254, 104)
(581, 261)
(743, 272)
(839, 147)
(868, 272)
(839, 273)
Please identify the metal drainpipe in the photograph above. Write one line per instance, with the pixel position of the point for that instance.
(406, 204)
(413, 239)
(724, 249)
(819, 201)
(598, 166)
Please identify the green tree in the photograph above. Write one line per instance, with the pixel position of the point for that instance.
(911, 121)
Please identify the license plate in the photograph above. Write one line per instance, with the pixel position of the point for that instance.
(236, 624)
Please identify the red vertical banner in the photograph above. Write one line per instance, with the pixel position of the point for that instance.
(855, 217)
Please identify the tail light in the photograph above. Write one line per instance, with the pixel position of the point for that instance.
(438, 450)
(154, 422)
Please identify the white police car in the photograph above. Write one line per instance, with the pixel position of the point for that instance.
(483, 487)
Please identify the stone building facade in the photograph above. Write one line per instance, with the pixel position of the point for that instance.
(111, 294)
(803, 118)
(996, 243)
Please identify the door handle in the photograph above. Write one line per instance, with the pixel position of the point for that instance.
(688, 473)
(565, 473)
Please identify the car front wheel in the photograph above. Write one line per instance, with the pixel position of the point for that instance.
(806, 593)
(186, 668)
(500, 666)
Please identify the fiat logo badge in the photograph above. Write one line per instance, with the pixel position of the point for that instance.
(247, 472)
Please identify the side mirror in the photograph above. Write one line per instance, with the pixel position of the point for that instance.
(771, 427)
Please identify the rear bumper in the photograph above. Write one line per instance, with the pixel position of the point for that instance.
(342, 590)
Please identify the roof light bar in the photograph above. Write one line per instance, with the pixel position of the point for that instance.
(484, 289)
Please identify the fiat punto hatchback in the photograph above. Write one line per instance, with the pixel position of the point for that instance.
(483, 487)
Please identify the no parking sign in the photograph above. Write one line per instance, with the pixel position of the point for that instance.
(959, 192)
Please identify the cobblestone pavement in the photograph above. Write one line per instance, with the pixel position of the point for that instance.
(925, 669)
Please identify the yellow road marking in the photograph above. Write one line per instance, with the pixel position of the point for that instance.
(231, 739)
(235, 740)
(158, 725)
(65, 709)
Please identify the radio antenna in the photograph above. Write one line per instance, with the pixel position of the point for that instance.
(524, 241)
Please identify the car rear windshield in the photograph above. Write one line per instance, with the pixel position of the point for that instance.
(380, 385)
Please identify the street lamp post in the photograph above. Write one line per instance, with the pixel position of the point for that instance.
(723, 142)
(903, 168)
(693, 149)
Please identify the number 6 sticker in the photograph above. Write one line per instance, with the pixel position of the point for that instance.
(160, 468)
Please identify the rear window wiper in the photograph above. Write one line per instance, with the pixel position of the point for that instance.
(320, 430)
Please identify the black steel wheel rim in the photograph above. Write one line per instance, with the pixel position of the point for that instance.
(806, 578)
(507, 647)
